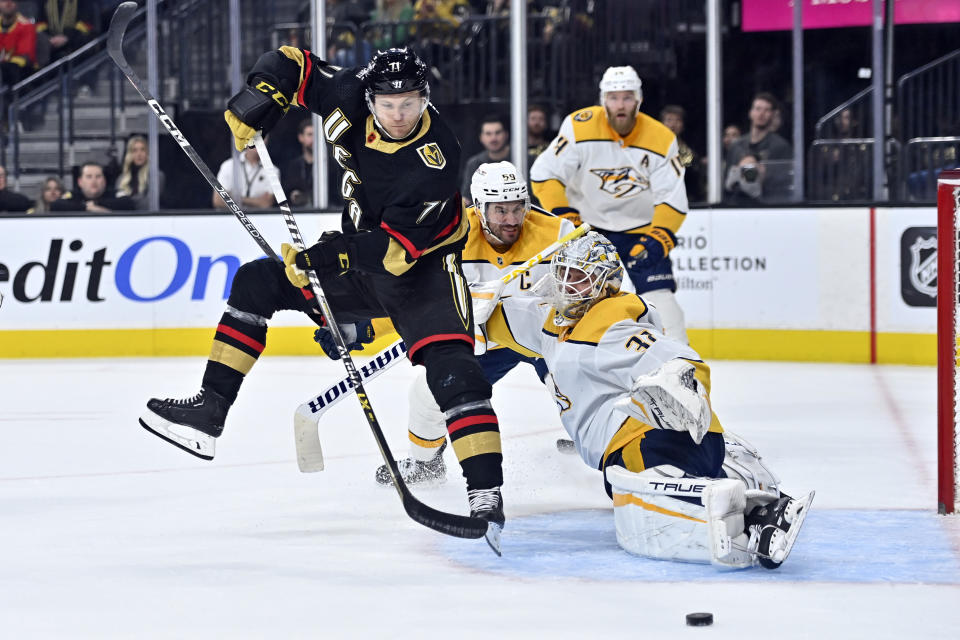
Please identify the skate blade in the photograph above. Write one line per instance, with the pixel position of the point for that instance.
(794, 529)
(493, 537)
(189, 439)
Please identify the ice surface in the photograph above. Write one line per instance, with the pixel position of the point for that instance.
(108, 532)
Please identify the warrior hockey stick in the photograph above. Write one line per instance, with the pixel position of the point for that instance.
(448, 523)
(118, 26)
(306, 419)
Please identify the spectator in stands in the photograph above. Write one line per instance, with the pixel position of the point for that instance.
(758, 163)
(63, 27)
(255, 191)
(52, 191)
(394, 14)
(495, 138)
(437, 32)
(538, 133)
(11, 201)
(135, 173)
(730, 134)
(673, 117)
(297, 174)
(92, 194)
(18, 45)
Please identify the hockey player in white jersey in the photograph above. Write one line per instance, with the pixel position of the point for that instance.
(637, 405)
(618, 169)
(504, 233)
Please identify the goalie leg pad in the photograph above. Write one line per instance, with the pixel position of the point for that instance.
(661, 514)
(742, 462)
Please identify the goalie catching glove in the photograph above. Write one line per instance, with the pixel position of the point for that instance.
(670, 398)
(255, 108)
(355, 335)
(652, 246)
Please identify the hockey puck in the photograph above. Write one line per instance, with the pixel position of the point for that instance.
(565, 446)
(699, 619)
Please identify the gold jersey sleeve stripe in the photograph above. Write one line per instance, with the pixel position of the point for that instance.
(551, 193)
(498, 330)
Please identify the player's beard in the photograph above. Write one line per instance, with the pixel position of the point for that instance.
(622, 121)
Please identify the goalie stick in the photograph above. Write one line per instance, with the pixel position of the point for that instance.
(306, 419)
(447, 523)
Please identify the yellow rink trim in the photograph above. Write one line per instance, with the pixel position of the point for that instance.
(813, 346)
(726, 344)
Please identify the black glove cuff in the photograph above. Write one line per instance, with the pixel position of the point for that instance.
(256, 108)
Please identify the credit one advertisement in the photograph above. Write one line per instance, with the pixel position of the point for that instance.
(755, 269)
(133, 272)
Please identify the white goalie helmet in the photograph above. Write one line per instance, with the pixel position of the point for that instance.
(583, 272)
(497, 182)
(621, 79)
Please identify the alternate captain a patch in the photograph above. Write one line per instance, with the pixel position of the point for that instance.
(432, 156)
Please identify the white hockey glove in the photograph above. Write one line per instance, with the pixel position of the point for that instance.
(485, 297)
(670, 398)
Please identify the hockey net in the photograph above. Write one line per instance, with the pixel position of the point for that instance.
(948, 313)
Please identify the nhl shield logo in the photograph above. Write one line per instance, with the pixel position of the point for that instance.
(918, 266)
(432, 156)
(923, 265)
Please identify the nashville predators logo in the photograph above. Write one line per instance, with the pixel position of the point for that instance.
(624, 182)
(432, 156)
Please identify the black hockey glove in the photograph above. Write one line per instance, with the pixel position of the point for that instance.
(355, 335)
(330, 254)
(258, 107)
(652, 246)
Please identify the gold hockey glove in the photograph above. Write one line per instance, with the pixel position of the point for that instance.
(297, 277)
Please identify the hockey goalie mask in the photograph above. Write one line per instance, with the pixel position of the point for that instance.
(393, 72)
(583, 272)
(500, 182)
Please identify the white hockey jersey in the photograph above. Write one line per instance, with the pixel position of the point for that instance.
(616, 183)
(594, 363)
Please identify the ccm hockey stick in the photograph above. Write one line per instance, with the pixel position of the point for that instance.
(306, 419)
(450, 524)
(118, 26)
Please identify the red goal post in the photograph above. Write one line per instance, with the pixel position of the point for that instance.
(948, 314)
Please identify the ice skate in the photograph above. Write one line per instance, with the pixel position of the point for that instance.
(774, 528)
(193, 424)
(488, 505)
(417, 472)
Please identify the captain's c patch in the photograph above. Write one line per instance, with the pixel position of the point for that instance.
(432, 156)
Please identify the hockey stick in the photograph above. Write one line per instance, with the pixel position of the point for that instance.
(306, 419)
(118, 26)
(450, 524)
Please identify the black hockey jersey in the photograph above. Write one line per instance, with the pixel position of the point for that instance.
(401, 198)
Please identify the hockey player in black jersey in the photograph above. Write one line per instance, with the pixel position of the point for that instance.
(398, 254)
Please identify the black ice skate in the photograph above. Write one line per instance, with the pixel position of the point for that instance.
(488, 505)
(774, 528)
(415, 472)
(193, 424)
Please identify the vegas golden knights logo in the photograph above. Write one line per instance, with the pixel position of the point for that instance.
(432, 156)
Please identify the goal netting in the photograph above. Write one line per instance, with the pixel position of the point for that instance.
(948, 312)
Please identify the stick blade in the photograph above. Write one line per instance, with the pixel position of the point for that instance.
(118, 26)
(306, 437)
